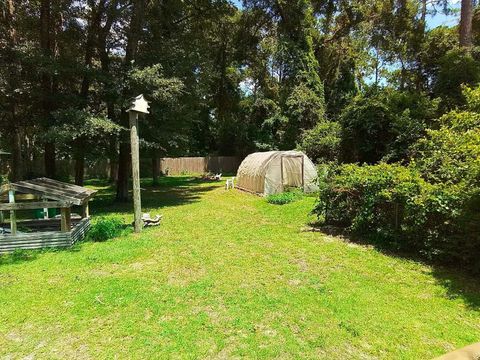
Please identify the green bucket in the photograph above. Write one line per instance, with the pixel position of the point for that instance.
(38, 213)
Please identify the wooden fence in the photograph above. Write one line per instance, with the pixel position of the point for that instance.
(199, 165)
(101, 168)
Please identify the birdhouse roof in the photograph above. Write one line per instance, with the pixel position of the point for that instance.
(139, 104)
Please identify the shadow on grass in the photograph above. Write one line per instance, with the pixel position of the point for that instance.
(456, 281)
(169, 191)
(26, 255)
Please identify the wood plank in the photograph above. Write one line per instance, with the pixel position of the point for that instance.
(20, 197)
(40, 240)
(34, 246)
(34, 205)
(42, 191)
(29, 236)
(34, 242)
(56, 187)
(66, 222)
(67, 185)
(85, 210)
(13, 215)
(62, 190)
(5, 188)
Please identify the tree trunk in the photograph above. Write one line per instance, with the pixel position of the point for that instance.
(79, 148)
(105, 65)
(17, 163)
(130, 54)
(423, 16)
(46, 38)
(466, 15)
(12, 85)
(155, 168)
(92, 32)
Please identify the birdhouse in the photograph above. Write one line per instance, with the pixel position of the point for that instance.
(139, 104)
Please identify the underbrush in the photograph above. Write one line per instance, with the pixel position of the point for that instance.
(286, 197)
(105, 228)
(394, 206)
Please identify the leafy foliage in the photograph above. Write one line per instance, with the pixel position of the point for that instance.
(105, 228)
(431, 206)
(285, 197)
(322, 143)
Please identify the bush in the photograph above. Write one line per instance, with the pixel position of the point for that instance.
(105, 228)
(431, 207)
(393, 206)
(322, 143)
(285, 197)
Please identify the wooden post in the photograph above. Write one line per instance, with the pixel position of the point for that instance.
(85, 210)
(281, 171)
(45, 210)
(66, 220)
(137, 206)
(13, 215)
(303, 173)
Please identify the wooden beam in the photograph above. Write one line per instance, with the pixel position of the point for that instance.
(20, 197)
(85, 210)
(34, 205)
(13, 215)
(66, 221)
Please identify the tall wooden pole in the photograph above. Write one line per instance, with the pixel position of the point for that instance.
(137, 206)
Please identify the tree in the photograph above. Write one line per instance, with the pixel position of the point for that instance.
(92, 30)
(12, 89)
(466, 15)
(322, 143)
(48, 45)
(133, 38)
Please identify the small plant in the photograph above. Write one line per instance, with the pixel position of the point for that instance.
(106, 228)
(286, 197)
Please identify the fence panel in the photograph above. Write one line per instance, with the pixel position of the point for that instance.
(101, 168)
(200, 165)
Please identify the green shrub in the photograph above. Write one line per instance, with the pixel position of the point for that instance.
(395, 207)
(105, 228)
(431, 207)
(322, 143)
(285, 197)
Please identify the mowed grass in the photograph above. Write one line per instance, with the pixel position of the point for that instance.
(228, 275)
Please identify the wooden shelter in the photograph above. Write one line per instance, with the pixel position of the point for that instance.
(43, 197)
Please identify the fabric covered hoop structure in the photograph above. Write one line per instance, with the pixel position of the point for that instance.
(271, 172)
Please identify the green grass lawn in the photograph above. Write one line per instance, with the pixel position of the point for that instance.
(228, 275)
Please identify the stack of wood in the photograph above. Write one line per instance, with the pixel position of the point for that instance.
(211, 177)
(149, 221)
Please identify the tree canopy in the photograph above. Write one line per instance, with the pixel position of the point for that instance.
(344, 80)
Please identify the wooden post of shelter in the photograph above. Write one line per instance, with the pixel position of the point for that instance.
(66, 220)
(281, 171)
(85, 210)
(139, 106)
(303, 173)
(13, 215)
